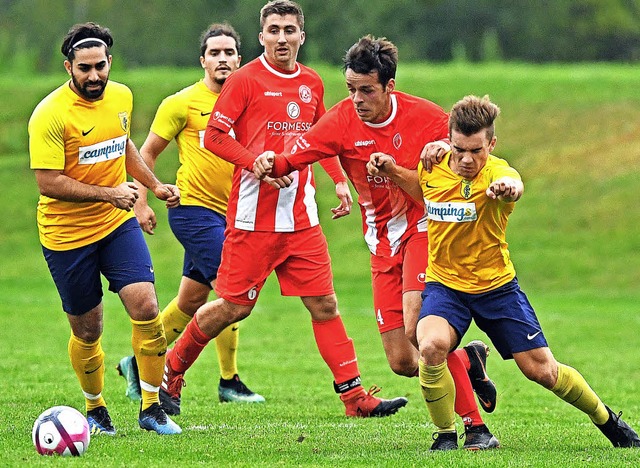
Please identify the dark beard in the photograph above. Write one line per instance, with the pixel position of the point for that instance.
(92, 94)
(220, 81)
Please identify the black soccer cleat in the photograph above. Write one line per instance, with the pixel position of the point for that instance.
(485, 389)
(444, 441)
(100, 422)
(235, 391)
(619, 433)
(479, 438)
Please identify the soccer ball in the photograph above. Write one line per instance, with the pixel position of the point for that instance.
(61, 430)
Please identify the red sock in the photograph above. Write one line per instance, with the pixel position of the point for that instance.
(337, 350)
(188, 347)
(465, 405)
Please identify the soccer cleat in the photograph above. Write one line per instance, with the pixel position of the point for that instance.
(619, 432)
(444, 441)
(235, 391)
(100, 422)
(155, 419)
(479, 438)
(128, 368)
(172, 383)
(483, 386)
(365, 405)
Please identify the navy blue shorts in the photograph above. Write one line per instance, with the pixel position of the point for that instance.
(122, 257)
(200, 230)
(504, 314)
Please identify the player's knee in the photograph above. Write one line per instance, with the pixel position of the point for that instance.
(541, 374)
(433, 350)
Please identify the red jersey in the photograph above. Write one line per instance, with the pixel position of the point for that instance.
(268, 109)
(389, 215)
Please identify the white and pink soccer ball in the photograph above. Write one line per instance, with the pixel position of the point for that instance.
(61, 430)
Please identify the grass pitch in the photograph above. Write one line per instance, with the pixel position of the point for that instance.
(573, 133)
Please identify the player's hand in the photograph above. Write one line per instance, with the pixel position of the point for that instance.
(145, 215)
(433, 153)
(505, 189)
(280, 182)
(169, 193)
(380, 164)
(263, 164)
(123, 196)
(346, 201)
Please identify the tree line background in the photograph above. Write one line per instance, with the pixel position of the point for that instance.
(166, 32)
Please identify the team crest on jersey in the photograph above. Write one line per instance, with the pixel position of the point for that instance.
(397, 141)
(465, 189)
(124, 120)
(305, 94)
(293, 110)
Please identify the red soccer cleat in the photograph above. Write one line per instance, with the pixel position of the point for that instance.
(364, 405)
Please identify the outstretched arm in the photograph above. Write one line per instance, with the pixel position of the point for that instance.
(407, 179)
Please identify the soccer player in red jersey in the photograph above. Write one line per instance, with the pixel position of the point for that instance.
(269, 103)
(377, 120)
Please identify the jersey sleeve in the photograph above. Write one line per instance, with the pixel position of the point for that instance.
(323, 140)
(46, 140)
(231, 103)
(170, 118)
(438, 128)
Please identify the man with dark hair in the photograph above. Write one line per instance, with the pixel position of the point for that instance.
(269, 103)
(81, 153)
(199, 221)
(469, 197)
(378, 120)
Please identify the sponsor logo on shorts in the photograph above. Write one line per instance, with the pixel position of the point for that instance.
(532, 336)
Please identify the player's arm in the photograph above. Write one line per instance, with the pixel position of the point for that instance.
(507, 189)
(54, 184)
(137, 169)
(407, 179)
(149, 151)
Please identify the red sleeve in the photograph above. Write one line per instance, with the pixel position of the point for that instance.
(332, 167)
(226, 147)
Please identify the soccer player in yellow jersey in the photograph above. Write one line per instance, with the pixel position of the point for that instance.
(469, 197)
(199, 222)
(81, 153)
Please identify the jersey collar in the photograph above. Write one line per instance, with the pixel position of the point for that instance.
(394, 111)
(273, 70)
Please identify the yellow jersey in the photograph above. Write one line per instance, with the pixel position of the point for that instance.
(86, 141)
(468, 250)
(203, 178)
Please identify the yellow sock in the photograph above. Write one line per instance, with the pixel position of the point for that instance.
(575, 390)
(173, 320)
(227, 347)
(87, 360)
(439, 393)
(149, 347)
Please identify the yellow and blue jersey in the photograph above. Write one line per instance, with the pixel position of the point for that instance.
(468, 250)
(86, 141)
(203, 178)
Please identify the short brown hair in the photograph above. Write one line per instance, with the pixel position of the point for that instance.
(371, 54)
(472, 114)
(281, 8)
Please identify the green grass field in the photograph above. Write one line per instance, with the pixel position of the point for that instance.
(574, 134)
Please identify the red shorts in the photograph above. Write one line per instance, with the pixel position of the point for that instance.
(300, 259)
(393, 276)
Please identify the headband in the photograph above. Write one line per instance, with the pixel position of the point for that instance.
(89, 39)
